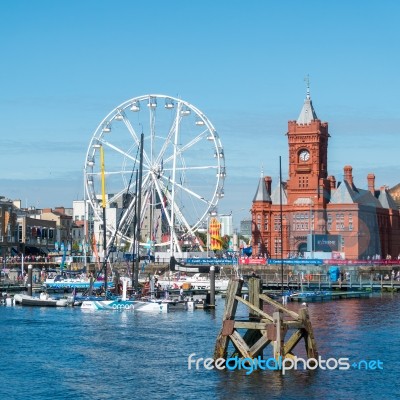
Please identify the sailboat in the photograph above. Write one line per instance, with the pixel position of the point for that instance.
(123, 303)
(117, 303)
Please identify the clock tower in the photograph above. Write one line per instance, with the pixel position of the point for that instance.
(308, 154)
(310, 213)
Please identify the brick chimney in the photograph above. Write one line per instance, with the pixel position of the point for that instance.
(268, 184)
(348, 176)
(332, 182)
(371, 183)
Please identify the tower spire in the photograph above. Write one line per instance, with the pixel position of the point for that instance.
(307, 80)
(307, 113)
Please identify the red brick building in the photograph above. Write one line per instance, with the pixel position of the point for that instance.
(318, 213)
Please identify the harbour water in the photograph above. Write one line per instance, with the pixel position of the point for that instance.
(68, 353)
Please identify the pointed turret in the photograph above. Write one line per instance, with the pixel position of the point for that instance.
(307, 113)
(262, 191)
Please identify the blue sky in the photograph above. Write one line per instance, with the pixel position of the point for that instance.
(66, 64)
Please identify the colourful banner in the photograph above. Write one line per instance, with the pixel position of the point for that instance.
(252, 261)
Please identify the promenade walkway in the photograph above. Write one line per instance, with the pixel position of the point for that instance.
(364, 281)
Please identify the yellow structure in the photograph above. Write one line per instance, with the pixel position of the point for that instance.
(214, 231)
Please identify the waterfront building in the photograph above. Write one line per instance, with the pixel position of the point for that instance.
(79, 210)
(35, 236)
(226, 221)
(245, 227)
(23, 232)
(312, 213)
(63, 218)
(8, 227)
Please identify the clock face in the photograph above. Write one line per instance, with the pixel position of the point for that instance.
(304, 155)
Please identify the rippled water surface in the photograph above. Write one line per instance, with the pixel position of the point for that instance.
(67, 353)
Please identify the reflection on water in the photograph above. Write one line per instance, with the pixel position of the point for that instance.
(114, 354)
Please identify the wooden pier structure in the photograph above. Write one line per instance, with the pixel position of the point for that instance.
(262, 329)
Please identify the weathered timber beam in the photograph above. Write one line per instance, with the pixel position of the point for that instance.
(240, 344)
(264, 324)
(259, 346)
(279, 306)
(250, 325)
(292, 341)
(293, 324)
(254, 308)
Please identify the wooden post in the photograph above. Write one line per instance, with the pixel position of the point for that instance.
(280, 336)
(253, 335)
(311, 346)
(254, 295)
(262, 328)
(221, 345)
(212, 286)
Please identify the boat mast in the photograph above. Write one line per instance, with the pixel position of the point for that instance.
(103, 199)
(172, 227)
(85, 227)
(139, 206)
(134, 246)
(281, 218)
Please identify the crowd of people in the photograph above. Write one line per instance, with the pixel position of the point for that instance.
(27, 258)
(394, 276)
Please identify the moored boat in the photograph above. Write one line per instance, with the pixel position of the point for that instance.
(195, 282)
(118, 304)
(191, 277)
(60, 282)
(42, 301)
(123, 303)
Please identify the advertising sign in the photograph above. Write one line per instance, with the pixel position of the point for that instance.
(327, 243)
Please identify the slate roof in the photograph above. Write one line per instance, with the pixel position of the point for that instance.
(262, 192)
(387, 200)
(275, 195)
(349, 194)
(307, 113)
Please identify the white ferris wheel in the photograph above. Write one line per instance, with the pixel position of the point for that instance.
(183, 171)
